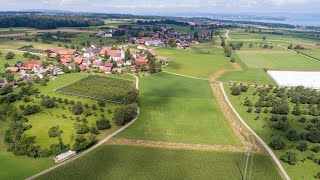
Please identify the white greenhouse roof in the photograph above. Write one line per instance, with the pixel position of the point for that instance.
(64, 155)
(307, 79)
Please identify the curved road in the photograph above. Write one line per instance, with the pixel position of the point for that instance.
(274, 157)
(227, 34)
(93, 147)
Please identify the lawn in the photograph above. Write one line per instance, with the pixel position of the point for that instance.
(134, 162)
(199, 61)
(280, 62)
(178, 109)
(248, 75)
(304, 169)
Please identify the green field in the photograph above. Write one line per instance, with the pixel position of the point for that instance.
(132, 162)
(199, 61)
(280, 62)
(178, 109)
(314, 52)
(248, 75)
(304, 169)
(101, 87)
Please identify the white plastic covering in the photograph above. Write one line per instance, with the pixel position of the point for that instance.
(296, 78)
(64, 156)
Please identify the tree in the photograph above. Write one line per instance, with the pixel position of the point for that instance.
(130, 97)
(292, 135)
(106, 56)
(296, 110)
(103, 124)
(77, 108)
(277, 144)
(250, 45)
(302, 147)
(290, 46)
(81, 128)
(58, 57)
(152, 67)
(264, 38)
(228, 51)
(313, 136)
(125, 114)
(127, 55)
(289, 157)
(195, 35)
(55, 132)
(9, 77)
(223, 43)
(235, 90)
(232, 60)
(10, 55)
(280, 106)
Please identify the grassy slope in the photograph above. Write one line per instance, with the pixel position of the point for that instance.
(179, 109)
(197, 61)
(303, 169)
(132, 162)
(247, 74)
(280, 61)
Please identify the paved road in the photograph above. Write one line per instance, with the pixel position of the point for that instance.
(93, 147)
(274, 157)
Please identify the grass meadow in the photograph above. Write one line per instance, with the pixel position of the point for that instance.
(179, 109)
(136, 162)
(303, 169)
(247, 75)
(198, 61)
(280, 62)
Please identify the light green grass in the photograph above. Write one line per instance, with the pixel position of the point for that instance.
(178, 109)
(247, 75)
(314, 52)
(134, 162)
(200, 61)
(302, 170)
(280, 62)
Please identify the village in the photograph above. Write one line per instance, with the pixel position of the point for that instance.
(133, 56)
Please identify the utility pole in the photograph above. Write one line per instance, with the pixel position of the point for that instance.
(249, 157)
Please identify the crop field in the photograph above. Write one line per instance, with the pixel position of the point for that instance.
(247, 75)
(132, 162)
(262, 124)
(99, 87)
(178, 109)
(280, 62)
(198, 61)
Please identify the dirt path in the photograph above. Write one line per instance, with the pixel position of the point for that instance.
(171, 145)
(215, 76)
(227, 35)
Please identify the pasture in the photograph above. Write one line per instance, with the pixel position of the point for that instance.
(305, 168)
(247, 75)
(280, 61)
(313, 52)
(135, 162)
(179, 109)
(199, 61)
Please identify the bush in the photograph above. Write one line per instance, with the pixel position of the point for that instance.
(94, 130)
(302, 119)
(302, 147)
(103, 124)
(249, 110)
(313, 136)
(277, 144)
(58, 148)
(48, 103)
(130, 97)
(290, 158)
(282, 126)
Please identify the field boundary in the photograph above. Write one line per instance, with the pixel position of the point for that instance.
(172, 145)
(93, 147)
(192, 77)
(274, 157)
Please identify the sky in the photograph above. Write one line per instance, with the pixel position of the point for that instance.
(165, 7)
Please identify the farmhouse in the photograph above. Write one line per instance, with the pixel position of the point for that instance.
(141, 47)
(78, 60)
(13, 69)
(28, 65)
(106, 70)
(64, 156)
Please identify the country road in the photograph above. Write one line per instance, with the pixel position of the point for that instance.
(93, 147)
(227, 35)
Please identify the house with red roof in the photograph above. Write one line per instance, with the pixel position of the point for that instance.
(78, 60)
(28, 65)
(141, 47)
(106, 70)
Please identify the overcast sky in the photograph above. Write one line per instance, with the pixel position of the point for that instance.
(165, 6)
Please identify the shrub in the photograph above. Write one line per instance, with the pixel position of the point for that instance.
(94, 130)
(77, 109)
(282, 126)
(81, 128)
(292, 135)
(249, 110)
(103, 124)
(125, 114)
(277, 144)
(313, 136)
(302, 119)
